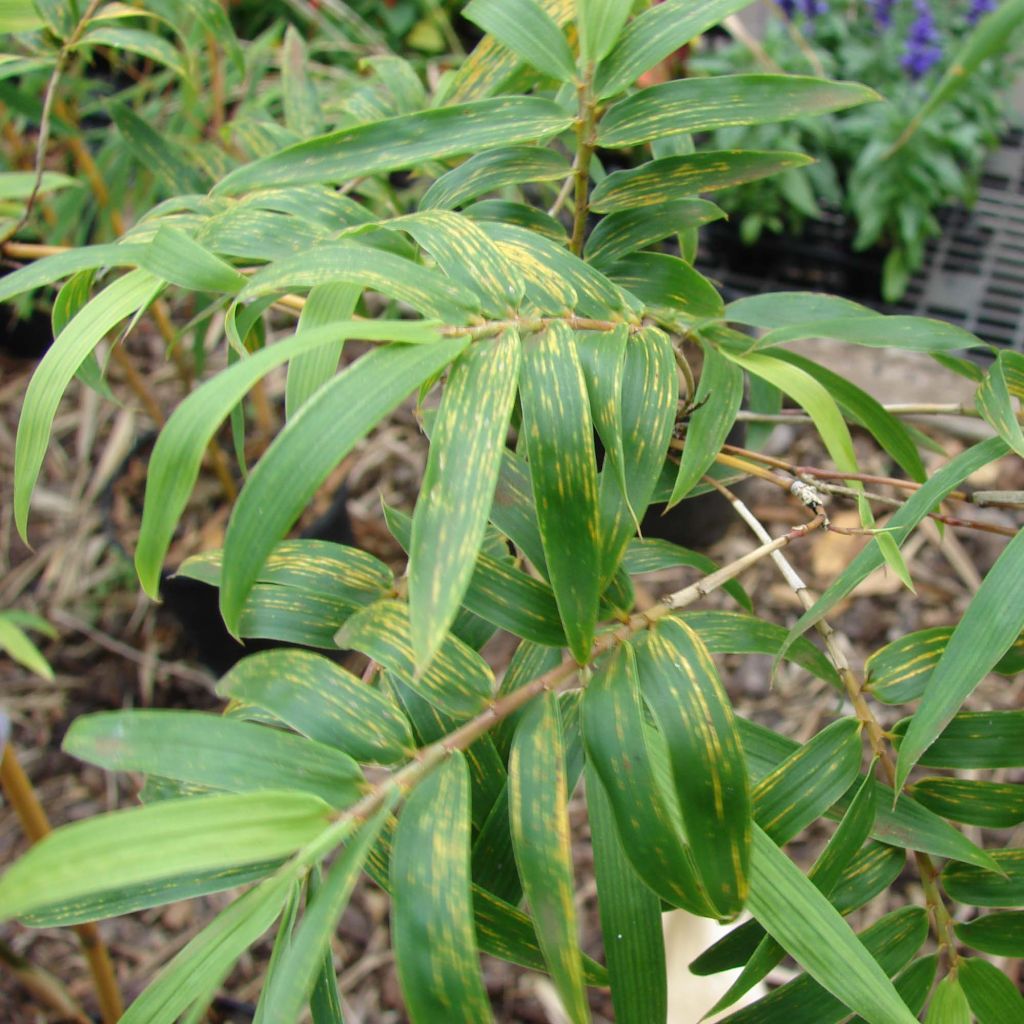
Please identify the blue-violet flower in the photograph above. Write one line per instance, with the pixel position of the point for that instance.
(923, 51)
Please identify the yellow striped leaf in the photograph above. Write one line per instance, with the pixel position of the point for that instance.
(458, 486)
(538, 812)
(994, 402)
(1001, 933)
(1002, 886)
(529, 31)
(646, 812)
(660, 181)
(702, 104)
(972, 801)
(680, 683)
(457, 680)
(322, 701)
(622, 233)
(309, 447)
(432, 911)
(673, 292)
(560, 443)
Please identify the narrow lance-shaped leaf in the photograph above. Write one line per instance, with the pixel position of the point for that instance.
(630, 919)
(178, 453)
(1001, 933)
(432, 912)
(291, 984)
(702, 104)
(718, 398)
(806, 925)
(995, 404)
(560, 444)
(403, 141)
(323, 432)
(626, 231)
(988, 629)
(680, 683)
(993, 997)
(159, 841)
(125, 297)
(538, 813)
(458, 486)
(529, 31)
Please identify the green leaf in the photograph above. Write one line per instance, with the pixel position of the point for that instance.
(458, 486)
(793, 309)
(21, 184)
(600, 24)
(620, 750)
(178, 453)
(809, 781)
(457, 680)
(1001, 933)
(975, 739)
(291, 984)
(345, 261)
(622, 233)
(734, 633)
(681, 685)
(200, 967)
(900, 526)
(891, 941)
(994, 999)
(660, 181)
(987, 630)
(630, 919)
(17, 646)
(702, 104)
(890, 432)
(911, 333)
(972, 801)
(669, 287)
(404, 141)
(540, 837)
(810, 929)
(125, 297)
(1001, 887)
(432, 912)
(179, 259)
(718, 398)
(949, 1004)
(209, 750)
(529, 31)
(301, 105)
(652, 554)
(19, 16)
(134, 40)
(159, 841)
(325, 304)
(995, 404)
(64, 264)
(491, 171)
(323, 701)
(658, 31)
(560, 444)
(899, 671)
(174, 165)
(309, 447)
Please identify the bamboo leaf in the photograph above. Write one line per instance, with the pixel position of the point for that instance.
(793, 309)
(290, 986)
(1002, 886)
(652, 554)
(659, 31)
(404, 141)
(322, 701)
(807, 926)
(994, 999)
(718, 398)
(988, 629)
(660, 181)
(600, 24)
(457, 680)
(122, 299)
(630, 919)
(458, 486)
(63, 264)
(912, 333)
(178, 453)
(301, 106)
(316, 439)
(528, 31)
(1001, 933)
(493, 170)
(949, 1004)
(209, 750)
(975, 739)
(17, 646)
(173, 165)
(972, 801)
(702, 104)
(179, 259)
(560, 444)
(622, 233)
(681, 685)
(995, 404)
(157, 842)
(540, 837)
(669, 287)
(197, 970)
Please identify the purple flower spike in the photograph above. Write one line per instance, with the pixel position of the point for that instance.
(979, 8)
(923, 50)
(812, 8)
(882, 10)
(788, 8)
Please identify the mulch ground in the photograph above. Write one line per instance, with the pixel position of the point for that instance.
(115, 649)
